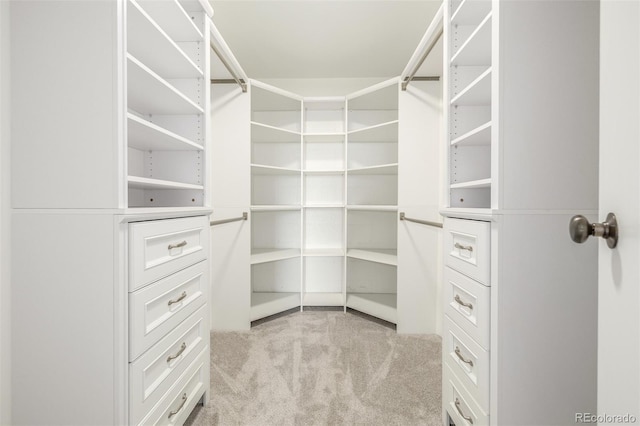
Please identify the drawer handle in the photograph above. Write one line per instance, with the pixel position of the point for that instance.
(179, 299)
(466, 361)
(182, 349)
(178, 245)
(461, 247)
(460, 302)
(184, 401)
(467, 418)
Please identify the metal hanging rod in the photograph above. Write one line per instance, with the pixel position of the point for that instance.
(427, 78)
(237, 79)
(244, 216)
(423, 222)
(426, 53)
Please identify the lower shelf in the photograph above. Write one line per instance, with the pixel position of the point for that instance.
(265, 304)
(323, 299)
(379, 305)
(388, 257)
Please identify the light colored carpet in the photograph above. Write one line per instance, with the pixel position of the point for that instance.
(322, 368)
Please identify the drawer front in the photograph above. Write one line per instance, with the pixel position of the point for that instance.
(468, 360)
(467, 248)
(461, 407)
(176, 405)
(161, 247)
(468, 304)
(152, 374)
(157, 309)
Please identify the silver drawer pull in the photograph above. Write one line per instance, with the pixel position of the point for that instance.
(182, 348)
(460, 302)
(466, 361)
(467, 418)
(178, 245)
(184, 401)
(179, 299)
(461, 247)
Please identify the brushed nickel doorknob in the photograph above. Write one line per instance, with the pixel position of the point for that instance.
(580, 229)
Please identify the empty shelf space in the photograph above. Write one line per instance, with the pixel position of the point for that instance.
(265, 133)
(323, 299)
(379, 208)
(476, 50)
(478, 92)
(144, 135)
(149, 94)
(383, 132)
(386, 256)
(173, 19)
(383, 169)
(266, 304)
(380, 305)
(153, 47)
(272, 255)
(149, 183)
(261, 169)
(481, 135)
(324, 252)
(471, 12)
(480, 183)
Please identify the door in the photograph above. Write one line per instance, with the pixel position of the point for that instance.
(619, 277)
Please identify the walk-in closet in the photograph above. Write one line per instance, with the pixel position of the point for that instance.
(164, 188)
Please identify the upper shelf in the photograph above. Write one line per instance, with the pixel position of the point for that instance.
(173, 19)
(384, 132)
(148, 93)
(471, 12)
(383, 169)
(148, 43)
(478, 92)
(144, 135)
(260, 169)
(149, 183)
(476, 50)
(265, 133)
(481, 135)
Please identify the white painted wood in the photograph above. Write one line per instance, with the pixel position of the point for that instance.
(264, 304)
(271, 255)
(160, 248)
(476, 50)
(452, 391)
(478, 92)
(618, 275)
(323, 299)
(471, 12)
(173, 19)
(139, 182)
(467, 248)
(158, 308)
(386, 256)
(153, 373)
(379, 305)
(144, 135)
(323, 274)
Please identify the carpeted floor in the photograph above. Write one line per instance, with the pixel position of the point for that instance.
(322, 368)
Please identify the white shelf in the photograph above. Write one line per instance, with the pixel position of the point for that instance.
(173, 19)
(148, 183)
(383, 132)
(144, 135)
(380, 305)
(323, 252)
(480, 183)
(477, 49)
(324, 172)
(324, 137)
(152, 46)
(265, 304)
(323, 299)
(265, 133)
(471, 12)
(383, 169)
(388, 257)
(261, 169)
(323, 206)
(478, 92)
(377, 208)
(148, 93)
(274, 208)
(480, 136)
(272, 255)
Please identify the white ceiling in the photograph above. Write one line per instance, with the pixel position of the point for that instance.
(323, 38)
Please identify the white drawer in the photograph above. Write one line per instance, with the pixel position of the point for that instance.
(468, 304)
(468, 360)
(152, 374)
(461, 407)
(176, 405)
(157, 309)
(161, 247)
(467, 248)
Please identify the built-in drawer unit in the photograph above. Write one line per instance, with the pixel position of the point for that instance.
(157, 309)
(467, 248)
(176, 405)
(154, 372)
(461, 407)
(161, 247)
(468, 304)
(468, 360)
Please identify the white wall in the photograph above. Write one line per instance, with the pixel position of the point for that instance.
(5, 236)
